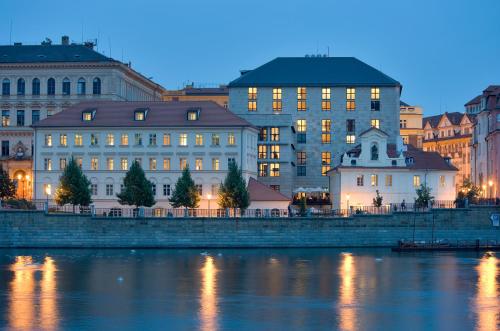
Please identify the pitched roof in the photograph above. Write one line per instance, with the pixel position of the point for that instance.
(373, 129)
(50, 53)
(392, 151)
(433, 120)
(475, 101)
(314, 71)
(403, 104)
(159, 114)
(223, 90)
(427, 160)
(261, 192)
(454, 117)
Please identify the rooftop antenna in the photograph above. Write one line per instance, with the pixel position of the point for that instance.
(98, 38)
(109, 43)
(82, 31)
(328, 51)
(122, 54)
(10, 36)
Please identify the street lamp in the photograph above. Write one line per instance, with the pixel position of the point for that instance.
(28, 186)
(490, 184)
(20, 182)
(47, 191)
(209, 196)
(347, 202)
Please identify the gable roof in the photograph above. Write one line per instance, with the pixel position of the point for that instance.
(427, 160)
(261, 192)
(432, 120)
(314, 71)
(50, 53)
(373, 129)
(159, 114)
(453, 117)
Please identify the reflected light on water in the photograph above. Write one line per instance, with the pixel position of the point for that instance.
(33, 304)
(487, 300)
(208, 297)
(347, 273)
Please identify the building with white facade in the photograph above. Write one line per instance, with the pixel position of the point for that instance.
(395, 171)
(310, 110)
(164, 137)
(38, 81)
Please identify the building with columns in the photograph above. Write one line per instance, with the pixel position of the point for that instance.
(38, 81)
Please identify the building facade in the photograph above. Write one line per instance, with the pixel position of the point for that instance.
(39, 81)
(309, 112)
(220, 94)
(450, 134)
(410, 125)
(395, 172)
(164, 137)
(485, 151)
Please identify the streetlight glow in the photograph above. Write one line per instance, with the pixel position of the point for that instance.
(490, 183)
(47, 190)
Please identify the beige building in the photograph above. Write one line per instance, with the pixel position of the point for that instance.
(38, 81)
(410, 125)
(220, 94)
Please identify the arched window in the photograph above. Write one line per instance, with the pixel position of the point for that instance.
(66, 86)
(21, 86)
(35, 86)
(80, 87)
(6, 87)
(96, 86)
(51, 86)
(374, 152)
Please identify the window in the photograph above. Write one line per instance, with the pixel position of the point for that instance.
(263, 134)
(35, 116)
(93, 189)
(199, 188)
(230, 160)
(140, 115)
(301, 163)
(252, 99)
(109, 189)
(51, 86)
(351, 126)
(326, 127)
(263, 169)
(63, 139)
(152, 139)
(374, 152)
(182, 163)
(326, 103)
(110, 163)
(35, 86)
(301, 99)
(62, 163)
(301, 125)
(21, 86)
(275, 187)
(198, 164)
(47, 164)
(166, 139)
(96, 86)
(388, 180)
(275, 134)
(326, 162)
(5, 118)
(94, 139)
(138, 160)
(215, 164)
(375, 123)
(402, 125)
(275, 152)
(94, 163)
(416, 181)
(79, 161)
(80, 86)
(5, 148)
(231, 139)
(350, 99)
(124, 139)
(442, 181)
(124, 163)
(166, 189)
(350, 139)
(87, 116)
(193, 115)
(262, 151)
(374, 180)
(138, 139)
(277, 103)
(110, 139)
(6, 87)
(152, 163)
(215, 190)
(183, 139)
(153, 189)
(198, 141)
(275, 169)
(20, 118)
(166, 163)
(66, 86)
(375, 99)
(48, 140)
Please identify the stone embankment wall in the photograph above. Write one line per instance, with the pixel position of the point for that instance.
(36, 229)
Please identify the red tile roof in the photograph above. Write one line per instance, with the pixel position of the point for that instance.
(261, 192)
(159, 114)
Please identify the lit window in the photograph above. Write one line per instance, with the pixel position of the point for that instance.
(350, 139)
(326, 103)
(275, 134)
(182, 163)
(375, 99)
(124, 163)
(263, 134)
(183, 139)
(388, 180)
(301, 99)
(326, 162)
(138, 139)
(231, 139)
(275, 151)
(252, 99)
(124, 139)
(62, 163)
(47, 164)
(152, 163)
(94, 139)
(109, 189)
(110, 139)
(140, 115)
(152, 139)
(416, 181)
(78, 139)
(326, 127)
(275, 170)
(193, 115)
(263, 169)
(262, 151)
(110, 163)
(277, 103)
(48, 140)
(79, 161)
(301, 125)
(442, 181)
(166, 139)
(360, 180)
(375, 123)
(215, 139)
(88, 116)
(215, 164)
(350, 99)
(94, 163)
(198, 164)
(199, 139)
(5, 118)
(166, 163)
(374, 180)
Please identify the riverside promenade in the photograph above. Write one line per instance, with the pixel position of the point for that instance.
(38, 229)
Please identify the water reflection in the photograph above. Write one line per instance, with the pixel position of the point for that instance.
(347, 312)
(208, 298)
(487, 299)
(33, 303)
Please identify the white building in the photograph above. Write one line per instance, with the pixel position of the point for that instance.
(394, 172)
(106, 137)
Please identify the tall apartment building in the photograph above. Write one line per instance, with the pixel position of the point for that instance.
(41, 80)
(410, 125)
(218, 94)
(485, 152)
(310, 110)
(450, 134)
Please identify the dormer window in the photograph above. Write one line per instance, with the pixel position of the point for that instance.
(88, 115)
(193, 115)
(140, 114)
(409, 160)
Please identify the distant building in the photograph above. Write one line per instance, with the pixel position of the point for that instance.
(410, 125)
(376, 164)
(164, 137)
(310, 110)
(39, 81)
(219, 94)
(450, 134)
(485, 153)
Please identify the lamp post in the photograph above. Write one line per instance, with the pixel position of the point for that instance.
(209, 196)
(484, 190)
(47, 192)
(21, 182)
(28, 187)
(347, 202)
(490, 184)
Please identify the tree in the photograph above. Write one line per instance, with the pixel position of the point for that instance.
(7, 186)
(468, 191)
(137, 189)
(233, 193)
(74, 187)
(377, 201)
(185, 193)
(424, 196)
(303, 206)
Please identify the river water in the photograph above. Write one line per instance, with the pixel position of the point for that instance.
(262, 289)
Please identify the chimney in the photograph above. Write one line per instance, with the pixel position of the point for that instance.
(64, 40)
(18, 44)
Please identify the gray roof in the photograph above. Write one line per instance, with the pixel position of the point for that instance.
(50, 53)
(314, 71)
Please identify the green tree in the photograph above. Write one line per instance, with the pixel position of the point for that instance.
(137, 189)
(233, 193)
(74, 187)
(424, 196)
(468, 191)
(7, 186)
(303, 206)
(377, 201)
(185, 193)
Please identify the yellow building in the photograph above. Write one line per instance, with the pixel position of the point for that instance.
(450, 134)
(410, 125)
(219, 94)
